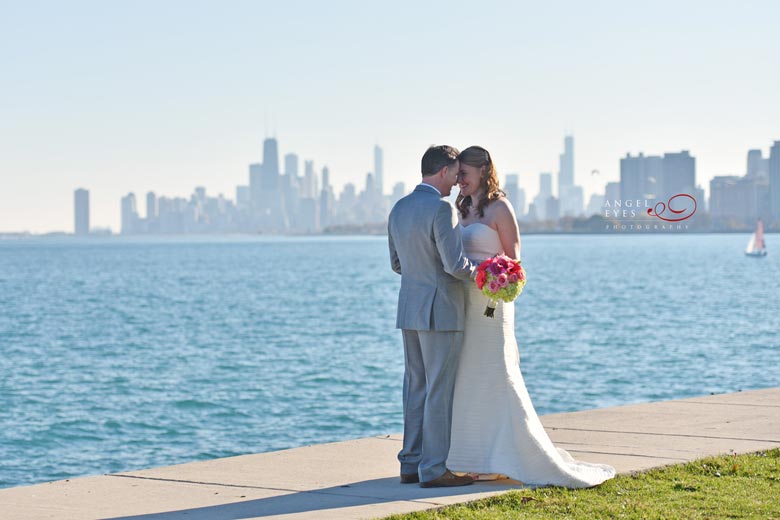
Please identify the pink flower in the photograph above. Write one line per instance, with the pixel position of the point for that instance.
(494, 286)
(481, 279)
(513, 278)
(502, 280)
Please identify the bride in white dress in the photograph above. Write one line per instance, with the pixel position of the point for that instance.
(495, 429)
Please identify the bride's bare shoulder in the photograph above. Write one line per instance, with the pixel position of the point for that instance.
(502, 207)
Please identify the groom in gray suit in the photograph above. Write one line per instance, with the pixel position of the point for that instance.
(426, 250)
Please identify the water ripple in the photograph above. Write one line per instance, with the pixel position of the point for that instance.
(124, 354)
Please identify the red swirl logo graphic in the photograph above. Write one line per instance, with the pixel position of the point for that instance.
(655, 212)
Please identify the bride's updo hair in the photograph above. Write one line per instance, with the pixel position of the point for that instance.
(478, 157)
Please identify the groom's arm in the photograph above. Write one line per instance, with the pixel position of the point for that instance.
(395, 263)
(449, 243)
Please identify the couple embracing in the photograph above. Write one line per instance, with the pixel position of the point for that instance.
(466, 408)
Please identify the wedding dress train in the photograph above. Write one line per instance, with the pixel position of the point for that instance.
(495, 428)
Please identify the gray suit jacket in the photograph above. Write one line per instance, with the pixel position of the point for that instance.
(427, 251)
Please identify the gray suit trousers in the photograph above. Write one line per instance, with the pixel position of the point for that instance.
(431, 361)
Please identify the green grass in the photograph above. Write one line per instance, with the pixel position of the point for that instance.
(727, 486)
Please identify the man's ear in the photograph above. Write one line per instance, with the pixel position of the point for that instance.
(443, 172)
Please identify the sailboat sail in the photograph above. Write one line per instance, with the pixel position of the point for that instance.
(756, 245)
(760, 236)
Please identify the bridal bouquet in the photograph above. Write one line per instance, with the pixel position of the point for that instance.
(500, 278)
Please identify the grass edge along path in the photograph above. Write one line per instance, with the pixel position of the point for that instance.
(724, 486)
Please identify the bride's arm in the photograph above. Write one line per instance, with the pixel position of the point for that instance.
(506, 225)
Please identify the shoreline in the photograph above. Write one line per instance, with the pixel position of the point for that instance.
(358, 478)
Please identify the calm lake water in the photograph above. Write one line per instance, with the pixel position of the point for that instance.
(122, 353)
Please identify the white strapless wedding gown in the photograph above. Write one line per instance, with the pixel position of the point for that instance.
(495, 428)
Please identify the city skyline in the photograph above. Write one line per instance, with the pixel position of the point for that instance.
(272, 201)
(152, 109)
(757, 159)
(282, 201)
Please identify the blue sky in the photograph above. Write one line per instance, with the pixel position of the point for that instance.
(164, 96)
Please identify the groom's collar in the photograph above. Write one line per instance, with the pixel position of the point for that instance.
(425, 185)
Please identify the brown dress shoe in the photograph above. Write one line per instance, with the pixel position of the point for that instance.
(410, 478)
(448, 480)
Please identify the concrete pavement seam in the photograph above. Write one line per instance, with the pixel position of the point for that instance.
(728, 404)
(628, 455)
(666, 434)
(201, 483)
(315, 491)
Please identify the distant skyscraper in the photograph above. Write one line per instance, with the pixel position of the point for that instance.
(255, 185)
(81, 212)
(370, 187)
(348, 197)
(701, 200)
(270, 181)
(151, 206)
(272, 213)
(515, 194)
(653, 178)
(309, 182)
(632, 177)
(291, 188)
(326, 209)
(571, 201)
(595, 205)
(399, 190)
(552, 209)
(756, 164)
(532, 214)
(379, 168)
(308, 215)
(327, 200)
(520, 208)
(679, 174)
(740, 200)
(545, 192)
(566, 164)
(774, 179)
(510, 188)
(291, 165)
(545, 184)
(129, 214)
(720, 189)
(243, 198)
(570, 196)
(641, 177)
(612, 192)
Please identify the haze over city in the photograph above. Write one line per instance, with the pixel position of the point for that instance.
(120, 98)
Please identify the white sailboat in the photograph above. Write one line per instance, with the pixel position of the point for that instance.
(756, 245)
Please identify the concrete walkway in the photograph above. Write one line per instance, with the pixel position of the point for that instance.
(358, 479)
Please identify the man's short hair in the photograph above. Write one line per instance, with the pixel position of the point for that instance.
(437, 157)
